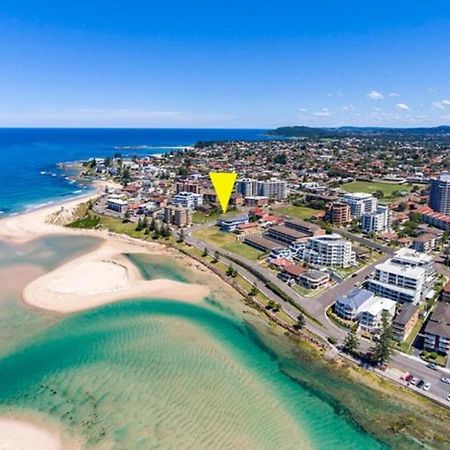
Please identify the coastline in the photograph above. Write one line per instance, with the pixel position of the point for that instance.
(32, 224)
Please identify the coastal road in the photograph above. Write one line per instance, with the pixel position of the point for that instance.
(364, 241)
(316, 307)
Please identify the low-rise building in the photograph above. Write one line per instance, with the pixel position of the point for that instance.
(314, 279)
(116, 204)
(426, 242)
(256, 201)
(291, 273)
(364, 307)
(188, 200)
(261, 243)
(437, 330)
(348, 306)
(404, 321)
(230, 224)
(308, 228)
(372, 313)
(284, 235)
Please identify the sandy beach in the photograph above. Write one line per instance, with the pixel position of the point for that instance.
(46, 220)
(21, 435)
(104, 276)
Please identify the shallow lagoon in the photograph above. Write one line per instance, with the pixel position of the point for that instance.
(161, 374)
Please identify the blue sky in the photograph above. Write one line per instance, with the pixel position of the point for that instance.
(224, 64)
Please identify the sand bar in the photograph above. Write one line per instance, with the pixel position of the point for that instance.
(21, 435)
(104, 276)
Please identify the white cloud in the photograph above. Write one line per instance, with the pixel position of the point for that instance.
(375, 95)
(394, 94)
(402, 107)
(303, 110)
(443, 104)
(324, 112)
(377, 109)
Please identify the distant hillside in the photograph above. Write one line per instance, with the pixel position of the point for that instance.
(310, 132)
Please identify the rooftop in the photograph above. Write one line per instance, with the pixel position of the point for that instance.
(355, 298)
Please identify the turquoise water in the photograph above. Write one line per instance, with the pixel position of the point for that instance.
(163, 374)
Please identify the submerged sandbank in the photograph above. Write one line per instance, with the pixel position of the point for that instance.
(104, 276)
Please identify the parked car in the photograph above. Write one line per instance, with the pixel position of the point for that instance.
(427, 386)
(445, 380)
(432, 366)
(420, 384)
(414, 381)
(448, 398)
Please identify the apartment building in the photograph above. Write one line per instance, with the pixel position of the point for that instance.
(177, 215)
(339, 214)
(377, 221)
(404, 321)
(364, 307)
(372, 312)
(437, 330)
(439, 197)
(406, 277)
(329, 250)
(188, 200)
(272, 189)
(231, 224)
(360, 203)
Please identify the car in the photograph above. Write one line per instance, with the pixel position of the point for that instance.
(432, 366)
(445, 380)
(414, 380)
(448, 398)
(420, 384)
(427, 386)
(354, 275)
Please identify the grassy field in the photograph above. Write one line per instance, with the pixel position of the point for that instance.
(227, 241)
(371, 187)
(297, 212)
(243, 250)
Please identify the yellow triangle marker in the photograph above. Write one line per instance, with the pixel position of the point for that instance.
(223, 183)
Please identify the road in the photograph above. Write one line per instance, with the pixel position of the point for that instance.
(316, 307)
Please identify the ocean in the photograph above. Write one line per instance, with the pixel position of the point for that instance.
(28, 157)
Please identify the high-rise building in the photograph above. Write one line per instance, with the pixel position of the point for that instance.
(360, 203)
(439, 198)
(272, 189)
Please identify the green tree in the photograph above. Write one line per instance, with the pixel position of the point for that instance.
(383, 349)
(351, 342)
(301, 321)
(254, 290)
